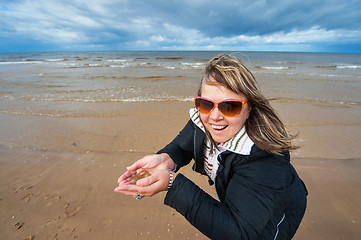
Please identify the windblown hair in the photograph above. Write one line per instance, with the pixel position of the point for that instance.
(263, 125)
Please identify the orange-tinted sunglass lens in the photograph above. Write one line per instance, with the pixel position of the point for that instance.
(228, 108)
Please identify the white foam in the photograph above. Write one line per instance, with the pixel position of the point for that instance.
(21, 62)
(349, 66)
(275, 68)
(55, 60)
(116, 60)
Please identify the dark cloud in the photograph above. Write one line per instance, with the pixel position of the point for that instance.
(227, 18)
(188, 25)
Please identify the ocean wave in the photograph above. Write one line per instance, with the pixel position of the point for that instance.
(273, 68)
(196, 65)
(77, 62)
(290, 63)
(317, 101)
(31, 61)
(325, 67)
(349, 66)
(116, 66)
(304, 68)
(94, 99)
(93, 65)
(119, 63)
(319, 76)
(21, 62)
(56, 60)
(169, 58)
(339, 67)
(117, 60)
(86, 65)
(324, 77)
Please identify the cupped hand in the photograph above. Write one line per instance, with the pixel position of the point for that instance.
(146, 187)
(160, 161)
(155, 161)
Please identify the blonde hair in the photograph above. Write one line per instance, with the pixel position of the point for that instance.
(263, 125)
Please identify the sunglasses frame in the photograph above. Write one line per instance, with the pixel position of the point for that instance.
(215, 104)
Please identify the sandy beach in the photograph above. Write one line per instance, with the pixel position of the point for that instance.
(71, 123)
(58, 176)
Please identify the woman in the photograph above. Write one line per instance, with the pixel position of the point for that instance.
(237, 139)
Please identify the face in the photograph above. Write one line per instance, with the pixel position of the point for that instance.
(220, 127)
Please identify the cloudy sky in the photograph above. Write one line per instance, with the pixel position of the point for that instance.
(234, 25)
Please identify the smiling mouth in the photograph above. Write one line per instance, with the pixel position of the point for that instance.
(216, 127)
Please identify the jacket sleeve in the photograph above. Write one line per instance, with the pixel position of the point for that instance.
(181, 149)
(249, 204)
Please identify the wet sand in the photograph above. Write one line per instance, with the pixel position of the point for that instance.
(57, 174)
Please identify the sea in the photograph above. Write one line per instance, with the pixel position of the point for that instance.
(331, 79)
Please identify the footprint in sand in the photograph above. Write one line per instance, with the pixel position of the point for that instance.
(23, 188)
(66, 233)
(52, 199)
(28, 197)
(51, 221)
(30, 237)
(71, 212)
(18, 225)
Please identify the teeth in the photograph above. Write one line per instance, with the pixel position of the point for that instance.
(219, 127)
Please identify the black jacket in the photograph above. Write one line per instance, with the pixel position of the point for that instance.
(261, 195)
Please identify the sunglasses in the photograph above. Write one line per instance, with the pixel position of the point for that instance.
(228, 108)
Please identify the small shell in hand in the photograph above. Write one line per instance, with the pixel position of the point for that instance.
(139, 176)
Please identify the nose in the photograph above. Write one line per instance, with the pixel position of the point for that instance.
(216, 115)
